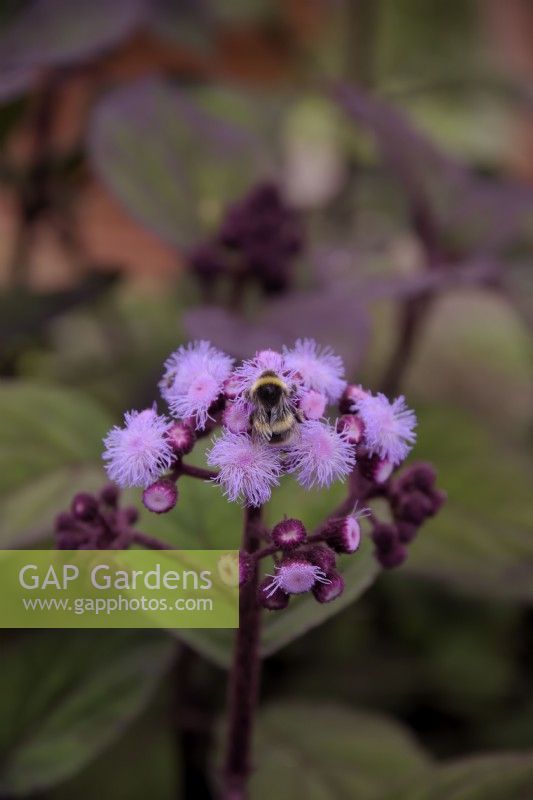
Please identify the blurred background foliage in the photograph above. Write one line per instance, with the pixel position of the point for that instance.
(401, 131)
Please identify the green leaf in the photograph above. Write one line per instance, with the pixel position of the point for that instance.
(497, 777)
(493, 370)
(203, 148)
(50, 446)
(323, 751)
(66, 696)
(481, 540)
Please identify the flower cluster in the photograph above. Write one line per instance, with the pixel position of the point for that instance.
(270, 412)
(413, 499)
(96, 522)
(309, 563)
(258, 240)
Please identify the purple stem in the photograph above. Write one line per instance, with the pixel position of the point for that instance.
(244, 678)
(150, 542)
(193, 472)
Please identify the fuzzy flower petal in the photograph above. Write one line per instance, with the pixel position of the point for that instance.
(319, 454)
(313, 404)
(140, 452)
(248, 469)
(193, 379)
(320, 369)
(389, 426)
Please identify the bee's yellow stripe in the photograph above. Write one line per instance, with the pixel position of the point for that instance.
(283, 425)
(264, 380)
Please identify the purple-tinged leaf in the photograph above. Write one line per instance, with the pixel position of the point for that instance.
(190, 23)
(444, 195)
(175, 157)
(16, 81)
(61, 32)
(333, 316)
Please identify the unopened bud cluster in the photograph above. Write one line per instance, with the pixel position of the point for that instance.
(95, 522)
(258, 241)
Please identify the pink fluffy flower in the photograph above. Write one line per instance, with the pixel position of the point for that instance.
(319, 368)
(319, 454)
(193, 379)
(247, 469)
(313, 404)
(389, 426)
(140, 452)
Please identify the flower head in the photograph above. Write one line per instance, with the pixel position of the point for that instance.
(181, 437)
(319, 368)
(248, 469)
(389, 426)
(193, 380)
(288, 534)
(138, 453)
(319, 454)
(161, 496)
(295, 576)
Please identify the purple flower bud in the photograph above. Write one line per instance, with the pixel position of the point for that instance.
(414, 507)
(350, 396)
(206, 261)
(161, 496)
(84, 506)
(322, 556)
(246, 567)
(181, 437)
(272, 600)
(352, 427)
(109, 495)
(385, 536)
(392, 558)
(343, 534)
(407, 531)
(326, 592)
(288, 534)
(419, 476)
(374, 468)
(64, 522)
(131, 515)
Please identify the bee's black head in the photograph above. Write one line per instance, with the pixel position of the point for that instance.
(269, 393)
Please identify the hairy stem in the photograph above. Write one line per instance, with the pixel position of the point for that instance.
(244, 678)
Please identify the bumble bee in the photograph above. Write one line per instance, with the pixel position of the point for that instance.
(273, 417)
